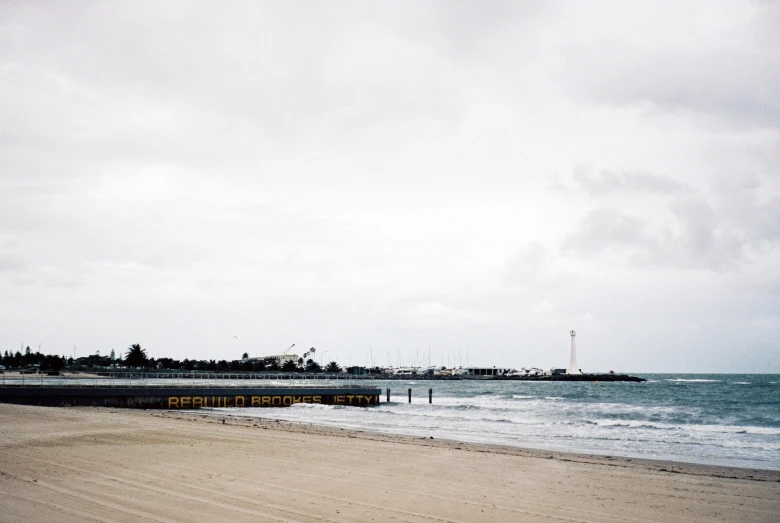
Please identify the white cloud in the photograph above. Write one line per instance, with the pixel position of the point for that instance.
(606, 181)
(585, 318)
(386, 177)
(432, 309)
(543, 307)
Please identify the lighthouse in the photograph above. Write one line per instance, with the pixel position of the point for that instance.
(573, 369)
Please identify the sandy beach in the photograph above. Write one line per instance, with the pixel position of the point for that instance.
(97, 464)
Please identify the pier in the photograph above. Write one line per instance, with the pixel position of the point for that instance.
(104, 393)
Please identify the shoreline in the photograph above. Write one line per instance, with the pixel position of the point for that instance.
(660, 465)
(102, 464)
(665, 462)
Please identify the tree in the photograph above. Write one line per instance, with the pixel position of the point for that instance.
(332, 367)
(245, 356)
(169, 363)
(290, 365)
(313, 366)
(256, 365)
(136, 356)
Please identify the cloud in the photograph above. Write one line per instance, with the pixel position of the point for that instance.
(175, 172)
(533, 265)
(543, 307)
(12, 263)
(767, 221)
(610, 231)
(750, 206)
(585, 318)
(717, 67)
(606, 181)
(431, 309)
(698, 235)
(704, 240)
(433, 314)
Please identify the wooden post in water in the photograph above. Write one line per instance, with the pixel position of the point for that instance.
(410, 395)
(430, 395)
(388, 395)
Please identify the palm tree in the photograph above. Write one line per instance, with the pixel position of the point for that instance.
(290, 365)
(136, 356)
(332, 367)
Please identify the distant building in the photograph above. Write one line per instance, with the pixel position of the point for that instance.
(279, 359)
(486, 371)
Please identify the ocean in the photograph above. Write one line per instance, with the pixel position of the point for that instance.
(717, 419)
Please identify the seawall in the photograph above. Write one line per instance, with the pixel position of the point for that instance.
(187, 397)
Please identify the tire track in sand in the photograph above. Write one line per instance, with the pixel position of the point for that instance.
(180, 495)
(59, 508)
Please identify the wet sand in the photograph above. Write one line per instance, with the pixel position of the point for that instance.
(98, 464)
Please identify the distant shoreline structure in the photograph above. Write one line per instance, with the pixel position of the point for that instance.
(18, 378)
(576, 377)
(288, 365)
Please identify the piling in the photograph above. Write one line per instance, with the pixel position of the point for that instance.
(410, 395)
(388, 395)
(430, 395)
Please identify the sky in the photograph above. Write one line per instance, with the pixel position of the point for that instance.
(394, 182)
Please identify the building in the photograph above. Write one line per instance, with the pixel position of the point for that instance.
(279, 359)
(485, 372)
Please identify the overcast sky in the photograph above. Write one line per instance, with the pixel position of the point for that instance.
(384, 177)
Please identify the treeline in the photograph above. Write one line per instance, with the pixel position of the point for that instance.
(137, 358)
(30, 359)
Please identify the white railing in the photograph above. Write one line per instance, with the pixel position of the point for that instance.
(163, 380)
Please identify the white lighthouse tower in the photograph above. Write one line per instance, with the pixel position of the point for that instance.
(573, 369)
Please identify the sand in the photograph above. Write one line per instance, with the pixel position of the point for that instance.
(99, 464)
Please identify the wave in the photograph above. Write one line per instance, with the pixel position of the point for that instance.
(596, 410)
(721, 429)
(740, 383)
(692, 380)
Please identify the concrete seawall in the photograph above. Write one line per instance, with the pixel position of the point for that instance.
(576, 377)
(188, 397)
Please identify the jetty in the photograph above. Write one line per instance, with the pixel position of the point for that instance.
(104, 393)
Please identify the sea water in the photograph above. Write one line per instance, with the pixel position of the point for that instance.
(718, 419)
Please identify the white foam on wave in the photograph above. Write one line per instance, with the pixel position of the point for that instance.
(683, 380)
(721, 429)
(476, 401)
(626, 408)
(740, 383)
(600, 423)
